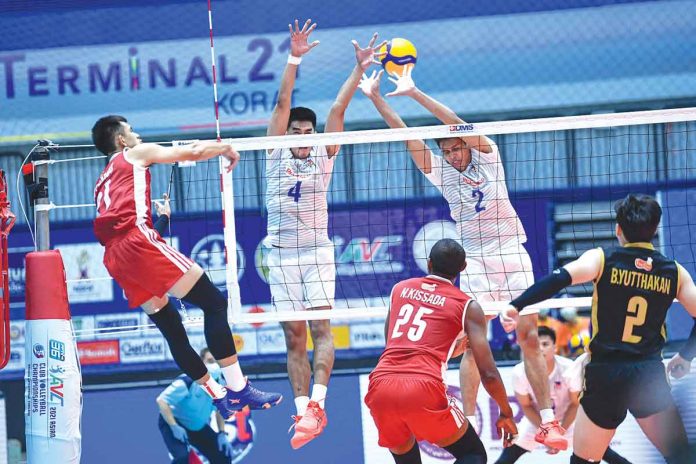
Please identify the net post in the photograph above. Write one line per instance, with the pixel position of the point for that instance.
(234, 300)
(40, 158)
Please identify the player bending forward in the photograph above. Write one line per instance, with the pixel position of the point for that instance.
(471, 178)
(428, 318)
(634, 286)
(565, 385)
(301, 271)
(148, 270)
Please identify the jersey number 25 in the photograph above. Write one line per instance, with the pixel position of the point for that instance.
(418, 325)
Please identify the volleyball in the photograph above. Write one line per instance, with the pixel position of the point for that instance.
(400, 53)
(578, 343)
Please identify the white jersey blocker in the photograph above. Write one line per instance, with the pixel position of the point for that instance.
(498, 266)
(299, 253)
(564, 379)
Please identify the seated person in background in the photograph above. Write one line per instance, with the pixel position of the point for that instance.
(565, 385)
(184, 418)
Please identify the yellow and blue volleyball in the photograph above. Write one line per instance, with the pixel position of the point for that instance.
(401, 53)
(578, 343)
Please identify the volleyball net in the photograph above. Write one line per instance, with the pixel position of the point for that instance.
(561, 175)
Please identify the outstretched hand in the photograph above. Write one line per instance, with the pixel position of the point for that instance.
(163, 207)
(404, 83)
(299, 38)
(368, 56)
(370, 85)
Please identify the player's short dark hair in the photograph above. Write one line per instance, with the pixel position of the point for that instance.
(447, 258)
(638, 216)
(105, 131)
(203, 352)
(543, 331)
(439, 141)
(300, 113)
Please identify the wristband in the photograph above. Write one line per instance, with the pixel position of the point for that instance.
(296, 60)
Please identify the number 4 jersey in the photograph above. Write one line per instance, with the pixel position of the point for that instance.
(636, 287)
(296, 198)
(122, 196)
(426, 318)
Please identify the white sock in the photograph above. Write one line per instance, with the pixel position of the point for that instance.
(233, 377)
(319, 394)
(547, 415)
(214, 389)
(301, 403)
(472, 420)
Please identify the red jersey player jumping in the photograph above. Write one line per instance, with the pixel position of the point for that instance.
(148, 269)
(428, 318)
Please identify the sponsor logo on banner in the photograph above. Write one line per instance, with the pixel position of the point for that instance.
(246, 343)
(367, 335)
(135, 350)
(209, 252)
(39, 351)
(363, 256)
(270, 341)
(427, 236)
(117, 325)
(83, 262)
(56, 350)
(99, 352)
(17, 331)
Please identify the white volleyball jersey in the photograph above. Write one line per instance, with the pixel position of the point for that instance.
(296, 192)
(560, 385)
(479, 202)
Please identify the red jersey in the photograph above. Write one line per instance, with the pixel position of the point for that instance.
(122, 195)
(426, 317)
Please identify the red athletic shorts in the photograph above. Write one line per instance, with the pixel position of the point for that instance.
(144, 265)
(404, 407)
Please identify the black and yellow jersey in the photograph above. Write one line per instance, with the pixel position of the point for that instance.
(635, 288)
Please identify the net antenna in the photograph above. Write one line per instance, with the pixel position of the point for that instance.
(234, 301)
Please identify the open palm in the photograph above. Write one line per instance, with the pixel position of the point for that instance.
(368, 56)
(369, 85)
(299, 38)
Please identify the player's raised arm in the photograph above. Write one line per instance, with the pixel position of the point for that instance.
(151, 153)
(420, 152)
(299, 46)
(365, 57)
(407, 87)
(475, 327)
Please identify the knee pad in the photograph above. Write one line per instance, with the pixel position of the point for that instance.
(468, 449)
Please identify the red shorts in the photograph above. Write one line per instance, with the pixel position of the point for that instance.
(412, 407)
(144, 265)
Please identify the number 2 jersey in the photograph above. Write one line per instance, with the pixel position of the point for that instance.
(479, 202)
(426, 317)
(296, 198)
(122, 195)
(636, 287)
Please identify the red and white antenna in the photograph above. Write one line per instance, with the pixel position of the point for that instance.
(212, 60)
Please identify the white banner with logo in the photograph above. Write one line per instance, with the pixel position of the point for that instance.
(629, 440)
(53, 389)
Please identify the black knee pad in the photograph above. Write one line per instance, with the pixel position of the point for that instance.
(468, 449)
(411, 457)
(575, 459)
(511, 454)
(168, 321)
(217, 331)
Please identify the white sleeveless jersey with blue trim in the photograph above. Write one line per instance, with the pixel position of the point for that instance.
(296, 192)
(479, 202)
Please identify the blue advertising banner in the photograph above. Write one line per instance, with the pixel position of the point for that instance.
(535, 61)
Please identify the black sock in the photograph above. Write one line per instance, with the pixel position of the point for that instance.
(217, 331)
(612, 457)
(468, 449)
(168, 321)
(511, 455)
(411, 457)
(575, 459)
